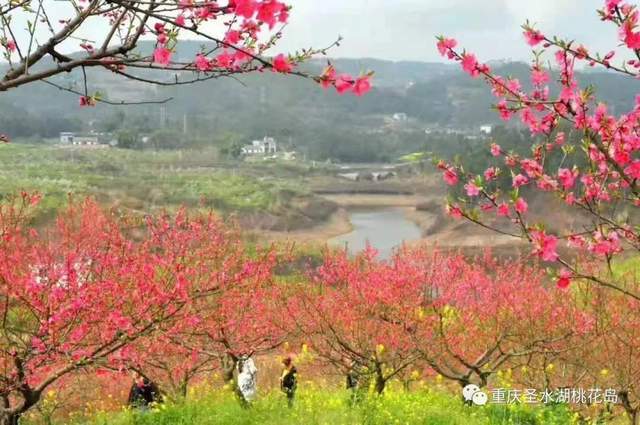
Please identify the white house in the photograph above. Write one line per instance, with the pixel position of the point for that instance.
(68, 138)
(486, 129)
(400, 116)
(261, 147)
(85, 140)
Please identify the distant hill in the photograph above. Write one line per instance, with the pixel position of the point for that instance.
(315, 121)
(388, 73)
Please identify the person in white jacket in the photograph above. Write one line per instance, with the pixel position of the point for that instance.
(247, 379)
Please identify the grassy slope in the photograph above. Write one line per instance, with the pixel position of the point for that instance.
(137, 180)
(628, 269)
(315, 406)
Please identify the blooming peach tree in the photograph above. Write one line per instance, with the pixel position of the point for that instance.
(241, 37)
(220, 329)
(217, 328)
(425, 309)
(610, 361)
(480, 317)
(96, 290)
(584, 155)
(346, 316)
(600, 363)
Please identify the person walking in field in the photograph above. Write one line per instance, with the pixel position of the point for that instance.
(143, 392)
(247, 379)
(352, 377)
(289, 380)
(353, 382)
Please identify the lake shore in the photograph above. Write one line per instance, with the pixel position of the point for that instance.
(337, 224)
(427, 212)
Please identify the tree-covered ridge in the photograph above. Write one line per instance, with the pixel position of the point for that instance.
(292, 110)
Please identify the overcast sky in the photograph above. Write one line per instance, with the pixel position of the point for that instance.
(405, 29)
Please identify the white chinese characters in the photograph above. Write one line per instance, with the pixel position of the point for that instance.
(472, 393)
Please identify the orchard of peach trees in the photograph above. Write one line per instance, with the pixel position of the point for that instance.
(182, 296)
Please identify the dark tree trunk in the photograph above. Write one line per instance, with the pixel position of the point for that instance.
(184, 386)
(9, 419)
(380, 381)
(229, 364)
(9, 416)
(463, 383)
(632, 412)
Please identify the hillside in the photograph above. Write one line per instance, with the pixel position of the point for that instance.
(294, 110)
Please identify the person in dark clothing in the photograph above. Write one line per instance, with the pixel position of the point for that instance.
(352, 379)
(288, 380)
(353, 382)
(143, 392)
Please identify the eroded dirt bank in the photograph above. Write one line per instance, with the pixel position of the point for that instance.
(422, 199)
(426, 211)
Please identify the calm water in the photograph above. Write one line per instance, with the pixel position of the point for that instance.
(384, 229)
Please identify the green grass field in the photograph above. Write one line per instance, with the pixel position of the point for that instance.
(144, 181)
(322, 407)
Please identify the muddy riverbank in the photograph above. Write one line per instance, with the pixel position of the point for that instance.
(425, 212)
(382, 228)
